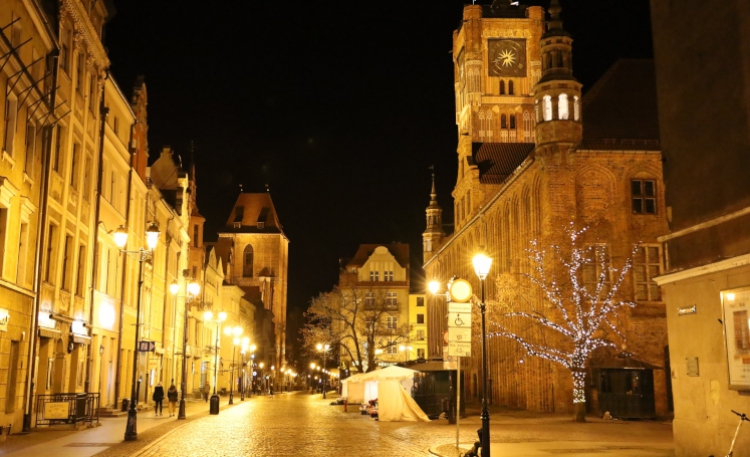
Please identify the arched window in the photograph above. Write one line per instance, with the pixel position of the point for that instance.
(513, 121)
(559, 56)
(547, 108)
(562, 107)
(510, 87)
(503, 122)
(247, 262)
(526, 126)
(502, 87)
(576, 108)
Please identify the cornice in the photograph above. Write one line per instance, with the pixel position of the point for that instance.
(84, 31)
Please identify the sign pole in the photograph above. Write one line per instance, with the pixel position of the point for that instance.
(458, 399)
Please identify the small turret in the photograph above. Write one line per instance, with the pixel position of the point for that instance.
(433, 236)
(557, 95)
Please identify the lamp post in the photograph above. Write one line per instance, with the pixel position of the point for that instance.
(193, 289)
(324, 349)
(482, 265)
(236, 331)
(142, 254)
(243, 381)
(208, 316)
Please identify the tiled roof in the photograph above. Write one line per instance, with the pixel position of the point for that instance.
(399, 250)
(254, 213)
(619, 111)
(497, 161)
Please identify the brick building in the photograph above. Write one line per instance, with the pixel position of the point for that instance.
(535, 155)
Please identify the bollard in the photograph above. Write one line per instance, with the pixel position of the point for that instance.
(344, 405)
(214, 408)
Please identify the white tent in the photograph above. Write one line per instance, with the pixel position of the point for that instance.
(391, 386)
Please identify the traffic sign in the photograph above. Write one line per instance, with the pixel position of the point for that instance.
(459, 320)
(456, 307)
(459, 349)
(459, 334)
(146, 346)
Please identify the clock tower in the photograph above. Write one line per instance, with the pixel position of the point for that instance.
(497, 64)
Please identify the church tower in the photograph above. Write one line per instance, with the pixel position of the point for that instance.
(433, 236)
(557, 95)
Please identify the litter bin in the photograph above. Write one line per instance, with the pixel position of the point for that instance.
(125, 405)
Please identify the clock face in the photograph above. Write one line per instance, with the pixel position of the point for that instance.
(507, 57)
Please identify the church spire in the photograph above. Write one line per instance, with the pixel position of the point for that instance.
(434, 234)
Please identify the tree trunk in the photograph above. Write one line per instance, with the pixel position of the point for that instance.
(579, 395)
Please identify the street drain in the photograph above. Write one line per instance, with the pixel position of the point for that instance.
(90, 444)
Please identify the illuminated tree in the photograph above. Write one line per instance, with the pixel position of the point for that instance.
(577, 289)
(355, 321)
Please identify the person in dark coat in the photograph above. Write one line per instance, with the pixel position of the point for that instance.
(172, 397)
(158, 398)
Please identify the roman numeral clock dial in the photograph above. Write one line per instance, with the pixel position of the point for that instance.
(507, 57)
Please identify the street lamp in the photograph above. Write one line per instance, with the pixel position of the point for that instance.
(236, 331)
(142, 254)
(406, 350)
(193, 289)
(324, 349)
(482, 265)
(208, 316)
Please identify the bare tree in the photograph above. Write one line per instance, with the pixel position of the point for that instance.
(362, 323)
(578, 290)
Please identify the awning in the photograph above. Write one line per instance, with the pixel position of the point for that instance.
(81, 339)
(49, 333)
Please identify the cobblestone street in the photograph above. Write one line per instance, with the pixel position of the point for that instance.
(299, 424)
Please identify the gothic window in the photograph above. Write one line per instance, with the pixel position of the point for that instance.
(595, 270)
(247, 262)
(488, 127)
(646, 266)
(576, 108)
(510, 87)
(547, 108)
(562, 107)
(481, 124)
(643, 196)
(513, 121)
(503, 122)
(502, 87)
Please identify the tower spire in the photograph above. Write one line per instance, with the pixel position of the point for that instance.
(554, 23)
(433, 235)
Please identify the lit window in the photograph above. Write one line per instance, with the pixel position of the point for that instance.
(562, 107)
(646, 266)
(643, 196)
(547, 108)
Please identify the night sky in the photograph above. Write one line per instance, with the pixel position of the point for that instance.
(340, 107)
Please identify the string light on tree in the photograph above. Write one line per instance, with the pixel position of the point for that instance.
(582, 314)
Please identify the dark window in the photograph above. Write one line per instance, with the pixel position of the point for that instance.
(420, 318)
(643, 196)
(502, 87)
(513, 121)
(247, 262)
(420, 301)
(510, 87)
(503, 122)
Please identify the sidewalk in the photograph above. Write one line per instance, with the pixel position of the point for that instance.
(528, 434)
(85, 443)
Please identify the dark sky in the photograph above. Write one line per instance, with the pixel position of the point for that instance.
(339, 106)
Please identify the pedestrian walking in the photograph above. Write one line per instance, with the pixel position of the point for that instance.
(158, 397)
(172, 397)
(206, 391)
(270, 390)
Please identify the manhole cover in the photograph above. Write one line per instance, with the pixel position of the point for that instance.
(90, 444)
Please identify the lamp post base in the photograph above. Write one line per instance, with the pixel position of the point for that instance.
(131, 430)
(231, 398)
(485, 433)
(214, 408)
(181, 413)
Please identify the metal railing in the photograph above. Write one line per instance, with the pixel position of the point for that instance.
(67, 408)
